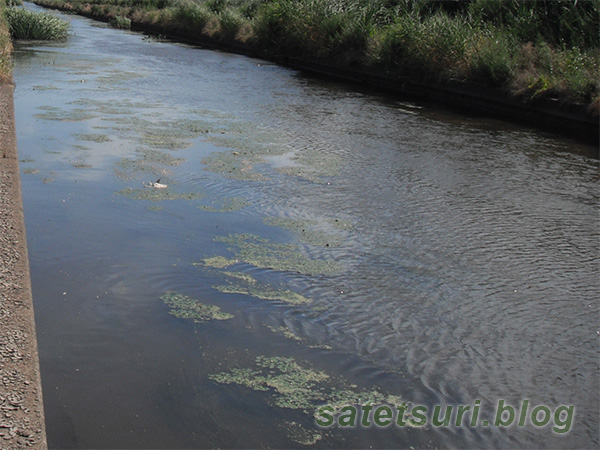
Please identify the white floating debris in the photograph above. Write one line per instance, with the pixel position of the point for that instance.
(157, 185)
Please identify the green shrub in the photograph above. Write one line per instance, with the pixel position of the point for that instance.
(492, 59)
(120, 22)
(191, 15)
(25, 24)
(230, 22)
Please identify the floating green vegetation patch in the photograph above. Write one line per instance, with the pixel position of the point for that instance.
(40, 87)
(31, 171)
(286, 332)
(292, 385)
(118, 77)
(249, 143)
(171, 135)
(240, 283)
(216, 262)
(314, 164)
(115, 107)
(58, 114)
(228, 205)
(158, 195)
(301, 435)
(93, 137)
(261, 252)
(297, 386)
(186, 307)
(305, 230)
(155, 156)
(149, 161)
(233, 165)
(81, 165)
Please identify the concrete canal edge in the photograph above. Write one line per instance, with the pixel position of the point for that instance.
(22, 422)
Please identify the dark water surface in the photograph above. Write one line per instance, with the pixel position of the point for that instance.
(375, 248)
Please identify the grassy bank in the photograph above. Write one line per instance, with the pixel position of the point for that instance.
(5, 47)
(528, 48)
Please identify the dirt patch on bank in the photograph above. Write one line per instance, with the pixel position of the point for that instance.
(21, 407)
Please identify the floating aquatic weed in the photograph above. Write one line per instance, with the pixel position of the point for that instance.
(216, 262)
(296, 386)
(58, 114)
(233, 165)
(186, 307)
(301, 435)
(165, 140)
(118, 77)
(305, 230)
(248, 145)
(158, 195)
(284, 257)
(246, 285)
(228, 205)
(93, 137)
(80, 165)
(293, 386)
(286, 332)
(149, 161)
(159, 157)
(314, 164)
(241, 277)
(114, 107)
(172, 135)
(80, 147)
(26, 160)
(154, 208)
(126, 169)
(39, 87)
(31, 171)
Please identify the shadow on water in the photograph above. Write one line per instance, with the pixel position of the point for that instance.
(306, 244)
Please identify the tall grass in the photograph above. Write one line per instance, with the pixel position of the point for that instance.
(5, 47)
(25, 24)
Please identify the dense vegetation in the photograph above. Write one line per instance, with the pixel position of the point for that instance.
(530, 48)
(5, 47)
(26, 24)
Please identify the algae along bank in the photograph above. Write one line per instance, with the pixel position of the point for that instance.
(220, 246)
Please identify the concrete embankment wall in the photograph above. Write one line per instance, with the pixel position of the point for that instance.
(21, 406)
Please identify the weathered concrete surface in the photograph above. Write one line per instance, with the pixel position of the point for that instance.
(21, 406)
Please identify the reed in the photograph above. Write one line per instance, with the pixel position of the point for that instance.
(25, 24)
(120, 22)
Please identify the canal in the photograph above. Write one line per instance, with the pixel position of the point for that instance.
(219, 246)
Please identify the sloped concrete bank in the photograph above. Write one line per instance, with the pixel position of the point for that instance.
(21, 406)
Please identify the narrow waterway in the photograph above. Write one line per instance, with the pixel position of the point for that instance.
(314, 244)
